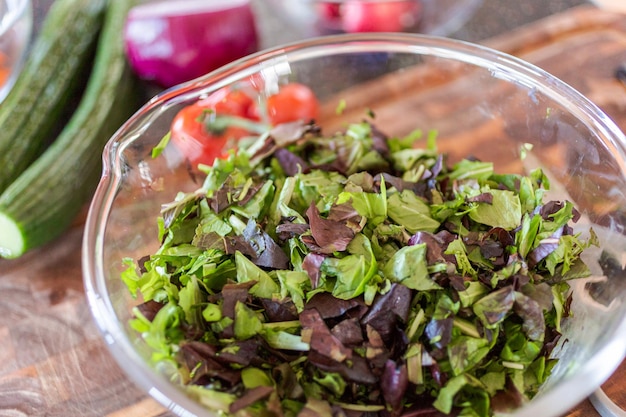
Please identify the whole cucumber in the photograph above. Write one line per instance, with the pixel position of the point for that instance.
(54, 74)
(46, 198)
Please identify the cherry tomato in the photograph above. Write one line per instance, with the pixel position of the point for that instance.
(233, 103)
(293, 102)
(190, 135)
(372, 16)
(200, 145)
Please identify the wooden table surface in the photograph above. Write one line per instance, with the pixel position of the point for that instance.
(53, 361)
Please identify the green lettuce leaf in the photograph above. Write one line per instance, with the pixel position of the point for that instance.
(505, 211)
(265, 286)
(410, 211)
(408, 266)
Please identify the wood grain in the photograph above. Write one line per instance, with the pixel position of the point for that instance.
(53, 361)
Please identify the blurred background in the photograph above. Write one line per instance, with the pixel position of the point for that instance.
(280, 22)
(492, 18)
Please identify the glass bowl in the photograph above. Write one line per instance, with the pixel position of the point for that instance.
(481, 102)
(326, 17)
(16, 25)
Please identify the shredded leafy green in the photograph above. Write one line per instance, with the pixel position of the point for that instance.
(357, 272)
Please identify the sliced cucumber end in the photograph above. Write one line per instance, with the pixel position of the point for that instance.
(11, 238)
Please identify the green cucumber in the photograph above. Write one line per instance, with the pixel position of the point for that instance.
(53, 75)
(46, 198)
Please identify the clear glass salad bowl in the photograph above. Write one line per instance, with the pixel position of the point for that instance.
(481, 103)
(325, 17)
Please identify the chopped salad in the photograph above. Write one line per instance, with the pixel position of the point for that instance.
(355, 274)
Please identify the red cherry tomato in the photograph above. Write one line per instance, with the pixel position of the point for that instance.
(190, 135)
(200, 145)
(373, 16)
(233, 103)
(292, 102)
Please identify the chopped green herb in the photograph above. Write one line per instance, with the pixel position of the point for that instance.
(357, 272)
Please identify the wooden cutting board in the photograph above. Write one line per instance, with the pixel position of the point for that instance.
(53, 361)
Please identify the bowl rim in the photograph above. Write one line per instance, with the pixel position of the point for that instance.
(569, 392)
